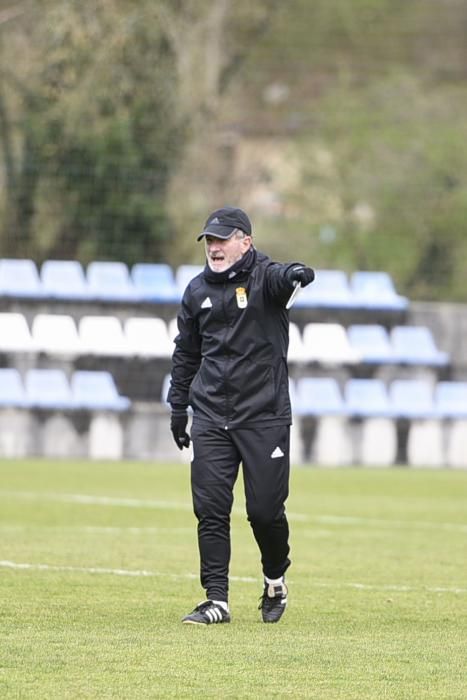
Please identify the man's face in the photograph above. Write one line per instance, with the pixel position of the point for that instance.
(222, 254)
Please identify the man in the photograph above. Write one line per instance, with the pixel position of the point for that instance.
(230, 366)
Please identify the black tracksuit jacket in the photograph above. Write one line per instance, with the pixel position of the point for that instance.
(230, 357)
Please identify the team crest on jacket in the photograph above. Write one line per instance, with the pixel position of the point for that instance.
(242, 299)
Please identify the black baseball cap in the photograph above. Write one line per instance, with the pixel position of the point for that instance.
(223, 222)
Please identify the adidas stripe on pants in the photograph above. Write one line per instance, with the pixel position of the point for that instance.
(217, 454)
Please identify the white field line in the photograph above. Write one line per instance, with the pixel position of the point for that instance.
(86, 499)
(135, 573)
(90, 500)
(98, 529)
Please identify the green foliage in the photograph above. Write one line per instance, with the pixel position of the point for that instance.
(377, 587)
(103, 141)
(338, 125)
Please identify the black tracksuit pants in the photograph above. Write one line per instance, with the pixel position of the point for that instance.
(264, 454)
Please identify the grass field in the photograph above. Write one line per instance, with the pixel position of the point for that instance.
(99, 563)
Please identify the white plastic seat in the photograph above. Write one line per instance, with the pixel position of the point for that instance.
(173, 329)
(102, 335)
(15, 335)
(165, 389)
(148, 337)
(55, 334)
(296, 352)
(327, 343)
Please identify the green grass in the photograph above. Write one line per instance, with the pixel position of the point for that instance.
(378, 587)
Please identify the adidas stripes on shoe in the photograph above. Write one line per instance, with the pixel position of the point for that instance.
(273, 601)
(207, 613)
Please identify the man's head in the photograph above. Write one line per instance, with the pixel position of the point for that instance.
(227, 237)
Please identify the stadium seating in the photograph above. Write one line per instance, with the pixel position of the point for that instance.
(451, 399)
(165, 389)
(12, 392)
(173, 329)
(15, 336)
(375, 290)
(102, 335)
(155, 282)
(55, 334)
(371, 343)
(317, 396)
(96, 390)
(451, 405)
(110, 282)
(48, 389)
(64, 279)
(412, 398)
(327, 343)
(374, 434)
(367, 398)
(414, 345)
(321, 399)
(185, 274)
(296, 351)
(148, 337)
(330, 289)
(19, 278)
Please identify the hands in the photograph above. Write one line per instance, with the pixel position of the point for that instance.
(178, 423)
(301, 274)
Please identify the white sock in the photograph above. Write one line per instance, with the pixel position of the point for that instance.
(274, 581)
(223, 604)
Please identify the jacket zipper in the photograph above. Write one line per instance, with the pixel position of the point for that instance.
(227, 358)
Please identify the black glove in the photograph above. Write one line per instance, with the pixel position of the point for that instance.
(178, 423)
(301, 274)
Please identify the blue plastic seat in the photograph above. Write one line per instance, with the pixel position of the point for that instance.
(185, 274)
(64, 279)
(451, 399)
(367, 398)
(319, 396)
(155, 282)
(414, 345)
(371, 343)
(375, 290)
(96, 390)
(412, 398)
(110, 281)
(330, 289)
(20, 278)
(48, 389)
(12, 393)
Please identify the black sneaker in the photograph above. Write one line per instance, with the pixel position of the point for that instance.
(273, 601)
(207, 613)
